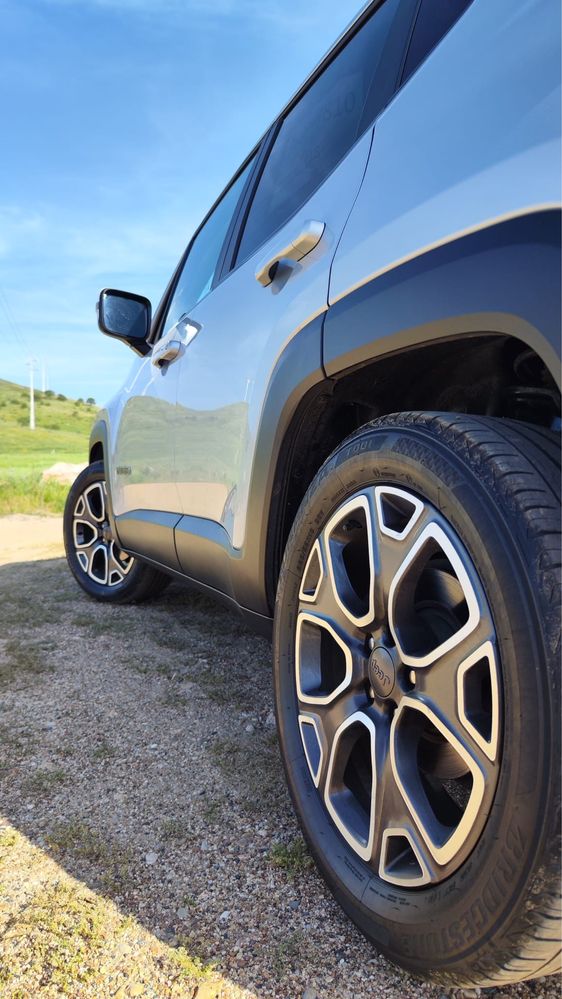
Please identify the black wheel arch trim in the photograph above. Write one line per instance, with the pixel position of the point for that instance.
(503, 278)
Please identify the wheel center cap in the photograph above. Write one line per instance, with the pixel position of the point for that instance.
(382, 673)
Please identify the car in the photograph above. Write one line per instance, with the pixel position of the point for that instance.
(343, 421)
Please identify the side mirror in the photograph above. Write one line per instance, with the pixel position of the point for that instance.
(126, 317)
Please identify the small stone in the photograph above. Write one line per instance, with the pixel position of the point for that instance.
(151, 858)
(136, 990)
(249, 729)
(270, 720)
(153, 745)
(183, 912)
(310, 993)
(294, 904)
(224, 916)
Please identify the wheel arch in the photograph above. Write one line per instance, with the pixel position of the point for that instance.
(471, 327)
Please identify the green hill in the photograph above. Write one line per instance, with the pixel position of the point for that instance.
(62, 428)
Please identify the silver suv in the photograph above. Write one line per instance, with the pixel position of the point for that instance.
(343, 421)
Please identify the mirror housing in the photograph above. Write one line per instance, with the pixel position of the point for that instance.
(126, 317)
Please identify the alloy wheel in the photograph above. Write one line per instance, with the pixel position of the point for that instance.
(98, 554)
(398, 686)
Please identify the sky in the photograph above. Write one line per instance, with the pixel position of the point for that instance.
(122, 121)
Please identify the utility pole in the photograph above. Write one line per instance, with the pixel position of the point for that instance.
(32, 363)
(43, 377)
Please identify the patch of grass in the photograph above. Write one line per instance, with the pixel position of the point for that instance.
(43, 782)
(8, 838)
(293, 858)
(59, 941)
(61, 433)
(287, 953)
(14, 745)
(103, 751)
(175, 828)
(251, 764)
(112, 861)
(27, 494)
(211, 812)
(188, 966)
(173, 699)
(22, 660)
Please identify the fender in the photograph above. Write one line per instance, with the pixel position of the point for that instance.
(504, 278)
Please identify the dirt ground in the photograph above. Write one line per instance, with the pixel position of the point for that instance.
(147, 843)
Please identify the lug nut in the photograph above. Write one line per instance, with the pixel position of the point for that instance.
(371, 693)
(371, 644)
(412, 677)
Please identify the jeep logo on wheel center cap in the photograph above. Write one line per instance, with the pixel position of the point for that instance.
(382, 674)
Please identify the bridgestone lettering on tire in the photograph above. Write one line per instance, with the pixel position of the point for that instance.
(416, 656)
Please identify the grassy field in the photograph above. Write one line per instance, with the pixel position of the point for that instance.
(61, 433)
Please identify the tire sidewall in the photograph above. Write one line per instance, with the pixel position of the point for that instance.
(458, 918)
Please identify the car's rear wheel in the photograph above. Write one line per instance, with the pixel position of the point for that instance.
(417, 687)
(93, 554)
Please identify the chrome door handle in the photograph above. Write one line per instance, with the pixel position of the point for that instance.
(170, 346)
(166, 351)
(307, 240)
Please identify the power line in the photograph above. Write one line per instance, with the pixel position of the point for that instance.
(12, 322)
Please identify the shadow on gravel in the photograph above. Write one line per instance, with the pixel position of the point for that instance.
(138, 751)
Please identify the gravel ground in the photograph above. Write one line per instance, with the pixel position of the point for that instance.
(147, 843)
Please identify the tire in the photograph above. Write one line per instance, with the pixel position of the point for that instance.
(98, 565)
(436, 668)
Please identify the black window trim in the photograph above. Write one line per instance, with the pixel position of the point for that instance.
(231, 261)
(156, 330)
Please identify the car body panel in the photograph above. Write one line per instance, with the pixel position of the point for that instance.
(464, 143)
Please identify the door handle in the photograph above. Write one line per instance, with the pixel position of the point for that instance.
(170, 346)
(307, 240)
(165, 352)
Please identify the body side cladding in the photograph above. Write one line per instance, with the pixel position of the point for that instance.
(504, 278)
(155, 529)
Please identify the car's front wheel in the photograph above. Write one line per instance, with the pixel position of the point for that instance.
(94, 557)
(417, 688)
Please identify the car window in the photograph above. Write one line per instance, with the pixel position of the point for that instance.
(199, 270)
(434, 19)
(323, 125)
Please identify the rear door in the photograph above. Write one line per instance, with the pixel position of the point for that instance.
(275, 279)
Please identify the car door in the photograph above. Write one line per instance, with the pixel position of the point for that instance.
(145, 494)
(276, 281)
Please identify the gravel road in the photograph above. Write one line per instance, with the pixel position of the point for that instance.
(140, 781)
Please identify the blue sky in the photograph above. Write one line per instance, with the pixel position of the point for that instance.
(122, 120)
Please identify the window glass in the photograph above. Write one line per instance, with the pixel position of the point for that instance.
(321, 128)
(433, 21)
(199, 269)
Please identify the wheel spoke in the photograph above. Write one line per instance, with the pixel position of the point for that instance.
(84, 533)
(94, 500)
(99, 563)
(347, 552)
(432, 604)
(119, 564)
(349, 783)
